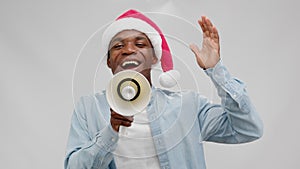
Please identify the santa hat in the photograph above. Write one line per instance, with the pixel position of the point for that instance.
(134, 20)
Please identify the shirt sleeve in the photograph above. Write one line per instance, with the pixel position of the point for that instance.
(235, 120)
(83, 151)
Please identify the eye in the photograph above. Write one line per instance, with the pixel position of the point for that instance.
(140, 44)
(118, 46)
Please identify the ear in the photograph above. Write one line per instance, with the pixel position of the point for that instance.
(154, 60)
(108, 63)
(108, 60)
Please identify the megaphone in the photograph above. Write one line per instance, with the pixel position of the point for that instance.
(128, 92)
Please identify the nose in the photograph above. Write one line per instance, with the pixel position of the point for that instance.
(129, 49)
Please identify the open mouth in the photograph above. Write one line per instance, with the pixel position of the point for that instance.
(130, 64)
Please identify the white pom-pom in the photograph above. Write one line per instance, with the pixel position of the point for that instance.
(169, 79)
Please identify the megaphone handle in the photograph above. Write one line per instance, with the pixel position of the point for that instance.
(123, 131)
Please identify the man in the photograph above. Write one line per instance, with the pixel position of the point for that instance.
(169, 133)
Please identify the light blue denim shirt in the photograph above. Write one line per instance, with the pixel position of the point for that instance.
(179, 121)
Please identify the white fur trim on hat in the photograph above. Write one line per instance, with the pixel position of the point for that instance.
(169, 79)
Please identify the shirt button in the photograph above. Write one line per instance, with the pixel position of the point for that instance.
(153, 117)
(234, 96)
(164, 157)
(158, 141)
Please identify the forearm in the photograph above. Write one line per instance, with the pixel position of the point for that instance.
(94, 154)
(240, 115)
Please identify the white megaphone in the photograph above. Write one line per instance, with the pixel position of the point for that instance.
(128, 92)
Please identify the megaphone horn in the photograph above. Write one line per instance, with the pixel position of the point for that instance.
(128, 92)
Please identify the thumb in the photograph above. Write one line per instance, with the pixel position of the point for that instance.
(195, 49)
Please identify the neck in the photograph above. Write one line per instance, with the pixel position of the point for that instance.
(147, 74)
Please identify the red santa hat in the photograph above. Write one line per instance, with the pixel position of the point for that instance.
(134, 20)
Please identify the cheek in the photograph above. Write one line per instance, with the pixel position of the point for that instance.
(113, 57)
(111, 62)
(148, 52)
(150, 57)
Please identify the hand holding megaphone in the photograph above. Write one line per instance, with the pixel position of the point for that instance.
(128, 93)
(117, 120)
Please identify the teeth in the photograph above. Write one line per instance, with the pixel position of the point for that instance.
(130, 63)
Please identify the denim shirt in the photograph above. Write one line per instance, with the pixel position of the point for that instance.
(179, 121)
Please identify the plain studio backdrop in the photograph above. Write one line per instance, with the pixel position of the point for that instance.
(50, 55)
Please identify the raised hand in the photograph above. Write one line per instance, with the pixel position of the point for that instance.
(209, 55)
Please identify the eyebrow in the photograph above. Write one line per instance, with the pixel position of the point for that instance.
(141, 38)
(116, 40)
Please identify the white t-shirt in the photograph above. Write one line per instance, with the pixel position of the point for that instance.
(135, 148)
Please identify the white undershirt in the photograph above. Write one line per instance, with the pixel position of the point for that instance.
(135, 148)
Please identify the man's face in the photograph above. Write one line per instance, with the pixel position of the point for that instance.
(131, 49)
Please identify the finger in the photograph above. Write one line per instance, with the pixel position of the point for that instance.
(215, 35)
(195, 49)
(118, 122)
(119, 116)
(207, 33)
(213, 32)
(123, 118)
(204, 30)
(201, 22)
(209, 28)
(206, 23)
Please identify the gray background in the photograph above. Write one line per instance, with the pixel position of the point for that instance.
(40, 42)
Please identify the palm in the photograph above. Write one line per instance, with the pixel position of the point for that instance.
(209, 55)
